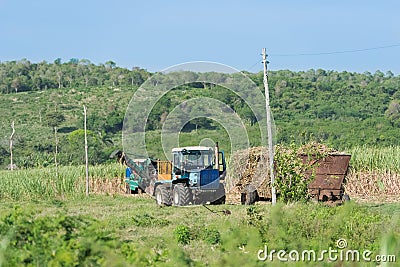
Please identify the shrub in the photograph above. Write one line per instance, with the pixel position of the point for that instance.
(182, 234)
(211, 236)
(291, 180)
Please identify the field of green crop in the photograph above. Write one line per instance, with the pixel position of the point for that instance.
(364, 158)
(64, 182)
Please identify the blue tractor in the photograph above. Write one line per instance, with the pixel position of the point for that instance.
(195, 176)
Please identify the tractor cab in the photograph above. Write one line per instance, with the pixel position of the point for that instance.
(188, 159)
(194, 159)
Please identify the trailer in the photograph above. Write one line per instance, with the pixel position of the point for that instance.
(329, 174)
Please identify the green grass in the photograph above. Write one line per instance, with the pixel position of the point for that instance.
(133, 231)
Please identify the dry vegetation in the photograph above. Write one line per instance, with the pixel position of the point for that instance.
(250, 166)
(373, 186)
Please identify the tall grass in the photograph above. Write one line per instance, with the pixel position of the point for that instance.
(42, 183)
(385, 159)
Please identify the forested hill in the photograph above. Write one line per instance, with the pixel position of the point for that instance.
(342, 109)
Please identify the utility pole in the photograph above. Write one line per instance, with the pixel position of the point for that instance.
(11, 146)
(269, 128)
(86, 154)
(56, 151)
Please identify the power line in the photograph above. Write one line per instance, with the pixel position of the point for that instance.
(327, 53)
(336, 52)
(257, 62)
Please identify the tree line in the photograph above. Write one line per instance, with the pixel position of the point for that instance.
(23, 75)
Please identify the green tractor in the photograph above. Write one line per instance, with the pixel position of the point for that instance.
(195, 176)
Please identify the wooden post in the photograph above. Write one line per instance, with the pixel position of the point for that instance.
(269, 128)
(11, 146)
(56, 150)
(86, 154)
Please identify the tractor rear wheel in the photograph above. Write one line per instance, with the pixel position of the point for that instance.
(163, 196)
(221, 196)
(181, 195)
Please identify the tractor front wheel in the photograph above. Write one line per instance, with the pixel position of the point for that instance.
(163, 196)
(181, 195)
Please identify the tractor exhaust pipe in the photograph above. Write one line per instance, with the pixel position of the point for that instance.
(216, 156)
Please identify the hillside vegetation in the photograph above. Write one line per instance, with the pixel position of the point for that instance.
(341, 109)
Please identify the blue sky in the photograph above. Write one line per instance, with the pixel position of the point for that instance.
(157, 34)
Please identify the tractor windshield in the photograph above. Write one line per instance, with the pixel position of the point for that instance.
(197, 159)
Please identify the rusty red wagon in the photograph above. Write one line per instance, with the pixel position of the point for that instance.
(329, 176)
